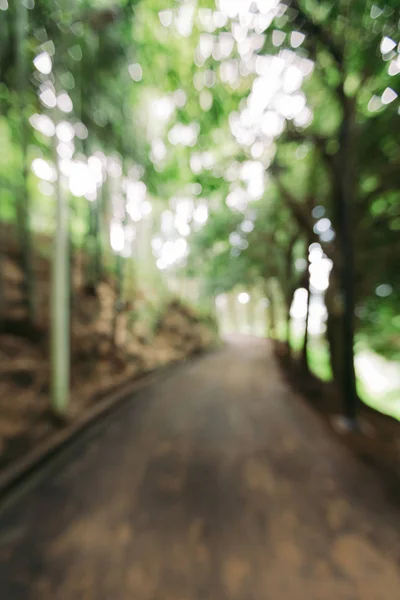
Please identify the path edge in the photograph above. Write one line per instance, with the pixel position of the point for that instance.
(20, 470)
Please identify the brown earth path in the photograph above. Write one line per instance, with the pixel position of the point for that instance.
(217, 484)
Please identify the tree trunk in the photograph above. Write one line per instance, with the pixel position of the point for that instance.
(105, 219)
(345, 227)
(90, 245)
(335, 329)
(60, 301)
(304, 350)
(270, 312)
(94, 243)
(73, 264)
(2, 292)
(98, 254)
(289, 325)
(119, 265)
(22, 201)
(335, 342)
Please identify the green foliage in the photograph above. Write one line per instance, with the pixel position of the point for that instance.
(133, 81)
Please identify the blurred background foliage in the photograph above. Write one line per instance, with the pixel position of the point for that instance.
(225, 148)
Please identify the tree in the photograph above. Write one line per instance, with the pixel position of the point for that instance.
(350, 93)
(22, 202)
(255, 130)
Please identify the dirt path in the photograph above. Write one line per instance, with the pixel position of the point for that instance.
(217, 484)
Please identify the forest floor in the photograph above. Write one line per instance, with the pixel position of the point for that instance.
(377, 440)
(219, 482)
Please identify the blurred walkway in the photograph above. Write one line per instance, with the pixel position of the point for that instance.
(216, 484)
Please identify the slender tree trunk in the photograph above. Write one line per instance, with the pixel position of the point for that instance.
(290, 293)
(3, 246)
(335, 341)
(288, 330)
(2, 292)
(334, 327)
(272, 315)
(94, 243)
(98, 257)
(90, 247)
(105, 219)
(73, 265)
(22, 203)
(304, 350)
(346, 188)
(119, 272)
(60, 305)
